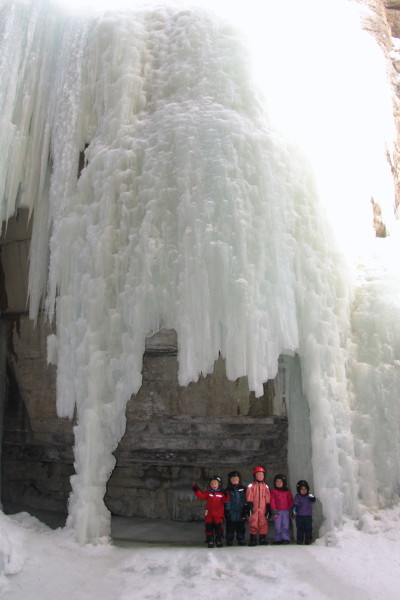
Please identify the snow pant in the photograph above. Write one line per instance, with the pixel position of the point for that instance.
(235, 526)
(258, 523)
(282, 523)
(304, 527)
(214, 529)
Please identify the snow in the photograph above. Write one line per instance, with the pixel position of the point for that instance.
(226, 193)
(153, 560)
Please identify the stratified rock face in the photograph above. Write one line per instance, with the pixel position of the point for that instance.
(14, 251)
(383, 21)
(176, 435)
(376, 22)
(393, 21)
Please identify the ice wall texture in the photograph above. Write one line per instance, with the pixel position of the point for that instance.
(196, 211)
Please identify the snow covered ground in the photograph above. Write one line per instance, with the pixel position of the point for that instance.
(360, 562)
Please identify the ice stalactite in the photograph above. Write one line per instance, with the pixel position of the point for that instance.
(192, 211)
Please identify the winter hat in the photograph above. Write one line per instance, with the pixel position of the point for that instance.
(302, 483)
(217, 478)
(284, 481)
(234, 474)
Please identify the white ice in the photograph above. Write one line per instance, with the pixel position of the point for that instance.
(230, 161)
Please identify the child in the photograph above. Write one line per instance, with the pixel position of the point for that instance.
(303, 502)
(258, 507)
(281, 505)
(214, 512)
(235, 509)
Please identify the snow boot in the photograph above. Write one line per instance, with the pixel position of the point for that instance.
(241, 543)
(263, 540)
(210, 542)
(229, 543)
(253, 540)
(308, 542)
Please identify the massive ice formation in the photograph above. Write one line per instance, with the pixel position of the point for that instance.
(196, 210)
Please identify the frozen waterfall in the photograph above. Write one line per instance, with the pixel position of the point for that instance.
(230, 159)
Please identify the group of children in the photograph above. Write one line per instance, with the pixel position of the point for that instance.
(258, 503)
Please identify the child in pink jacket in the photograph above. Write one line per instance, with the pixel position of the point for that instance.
(258, 507)
(281, 506)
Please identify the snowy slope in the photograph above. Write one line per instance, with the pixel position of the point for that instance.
(353, 564)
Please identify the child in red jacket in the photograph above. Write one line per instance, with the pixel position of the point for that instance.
(214, 513)
(281, 506)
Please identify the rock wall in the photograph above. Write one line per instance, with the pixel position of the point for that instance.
(392, 38)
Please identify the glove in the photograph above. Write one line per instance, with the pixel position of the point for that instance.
(275, 514)
(195, 487)
(249, 508)
(268, 511)
(294, 511)
(292, 514)
(311, 497)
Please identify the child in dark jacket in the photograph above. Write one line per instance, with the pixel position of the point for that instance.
(235, 509)
(214, 513)
(303, 506)
(281, 506)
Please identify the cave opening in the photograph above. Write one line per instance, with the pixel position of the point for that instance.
(179, 435)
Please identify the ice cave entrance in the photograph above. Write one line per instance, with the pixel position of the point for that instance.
(177, 435)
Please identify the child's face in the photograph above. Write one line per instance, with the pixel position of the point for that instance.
(214, 484)
(260, 476)
(279, 483)
(303, 490)
(234, 480)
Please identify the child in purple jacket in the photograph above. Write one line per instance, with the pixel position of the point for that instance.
(303, 505)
